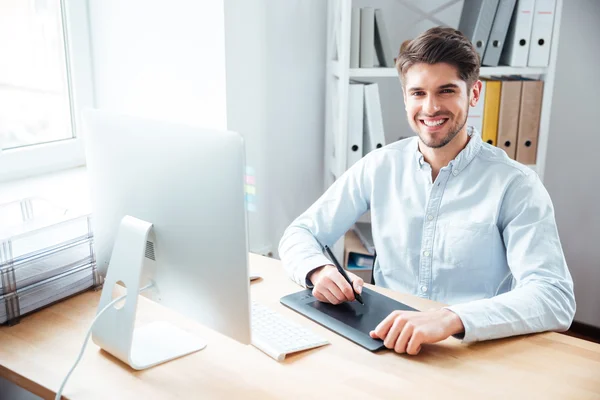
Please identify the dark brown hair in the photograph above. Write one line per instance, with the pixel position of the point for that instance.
(441, 45)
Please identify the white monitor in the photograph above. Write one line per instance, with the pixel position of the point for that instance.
(187, 182)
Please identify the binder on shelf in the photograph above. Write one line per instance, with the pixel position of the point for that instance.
(491, 111)
(493, 50)
(355, 123)
(529, 120)
(383, 46)
(367, 37)
(476, 21)
(516, 45)
(541, 33)
(508, 118)
(360, 261)
(475, 118)
(355, 252)
(373, 134)
(355, 38)
(365, 235)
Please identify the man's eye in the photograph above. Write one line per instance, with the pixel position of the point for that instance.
(418, 93)
(447, 91)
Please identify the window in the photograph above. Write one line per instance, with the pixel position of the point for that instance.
(45, 80)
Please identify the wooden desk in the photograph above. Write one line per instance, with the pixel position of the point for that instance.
(38, 352)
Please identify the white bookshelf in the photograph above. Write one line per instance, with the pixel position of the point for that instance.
(392, 73)
(485, 71)
(411, 17)
(339, 73)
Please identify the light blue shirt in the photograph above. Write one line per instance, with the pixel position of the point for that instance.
(482, 238)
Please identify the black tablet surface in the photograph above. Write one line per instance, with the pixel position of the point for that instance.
(352, 320)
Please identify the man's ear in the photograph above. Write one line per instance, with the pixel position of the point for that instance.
(475, 93)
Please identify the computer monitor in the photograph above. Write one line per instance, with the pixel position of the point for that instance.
(188, 182)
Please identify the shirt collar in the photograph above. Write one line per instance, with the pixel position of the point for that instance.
(463, 158)
(418, 154)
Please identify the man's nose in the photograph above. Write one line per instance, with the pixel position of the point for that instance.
(430, 106)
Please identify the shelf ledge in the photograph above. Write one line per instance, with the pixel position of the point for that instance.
(392, 73)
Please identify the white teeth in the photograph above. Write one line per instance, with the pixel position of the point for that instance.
(434, 123)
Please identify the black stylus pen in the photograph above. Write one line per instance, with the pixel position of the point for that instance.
(343, 272)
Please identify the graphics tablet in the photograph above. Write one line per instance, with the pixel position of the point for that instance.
(351, 320)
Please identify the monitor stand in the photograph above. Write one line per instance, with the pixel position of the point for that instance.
(133, 264)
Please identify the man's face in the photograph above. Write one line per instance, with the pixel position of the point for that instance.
(437, 102)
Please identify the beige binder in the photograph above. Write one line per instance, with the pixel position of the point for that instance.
(529, 121)
(508, 119)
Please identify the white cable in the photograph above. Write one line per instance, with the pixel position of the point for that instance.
(87, 337)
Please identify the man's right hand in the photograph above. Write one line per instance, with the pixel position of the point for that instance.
(331, 287)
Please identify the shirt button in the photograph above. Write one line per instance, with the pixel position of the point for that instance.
(430, 217)
(423, 288)
(426, 253)
(455, 172)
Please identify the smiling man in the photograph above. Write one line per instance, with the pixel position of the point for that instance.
(453, 219)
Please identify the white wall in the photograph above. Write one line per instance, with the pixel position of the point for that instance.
(296, 47)
(572, 158)
(161, 59)
(254, 66)
(275, 98)
(247, 82)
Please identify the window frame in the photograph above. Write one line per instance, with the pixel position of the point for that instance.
(49, 157)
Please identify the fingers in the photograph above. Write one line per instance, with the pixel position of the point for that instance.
(414, 344)
(319, 296)
(407, 331)
(328, 293)
(336, 292)
(343, 286)
(404, 337)
(384, 326)
(357, 282)
(395, 330)
(331, 287)
(330, 297)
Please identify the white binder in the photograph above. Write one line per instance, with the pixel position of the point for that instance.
(383, 46)
(355, 38)
(493, 50)
(373, 136)
(476, 19)
(355, 123)
(516, 46)
(541, 33)
(475, 118)
(367, 37)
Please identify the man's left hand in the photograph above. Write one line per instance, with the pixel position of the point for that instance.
(406, 331)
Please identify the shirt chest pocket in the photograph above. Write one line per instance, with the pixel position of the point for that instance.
(467, 245)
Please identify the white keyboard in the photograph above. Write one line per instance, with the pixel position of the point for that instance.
(277, 336)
